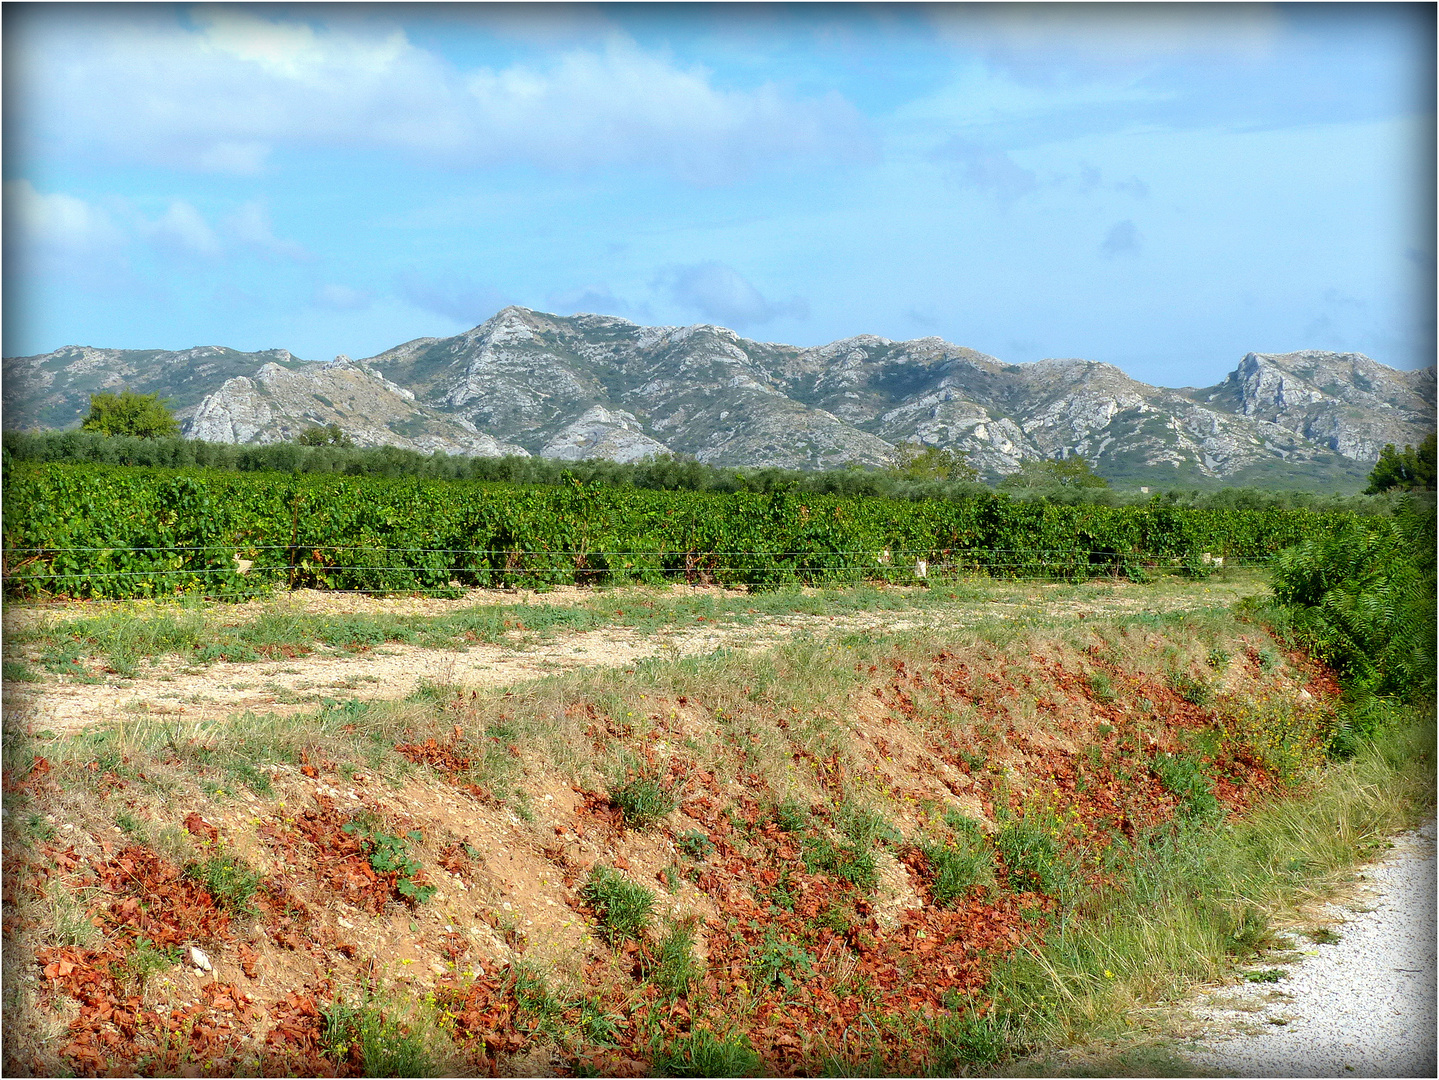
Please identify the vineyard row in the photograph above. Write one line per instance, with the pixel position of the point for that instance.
(114, 531)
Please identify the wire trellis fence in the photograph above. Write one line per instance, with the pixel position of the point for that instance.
(230, 571)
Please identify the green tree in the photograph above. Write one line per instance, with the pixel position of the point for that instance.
(1411, 469)
(128, 413)
(329, 435)
(915, 461)
(1073, 471)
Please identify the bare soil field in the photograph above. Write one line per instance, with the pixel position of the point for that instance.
(171, 686)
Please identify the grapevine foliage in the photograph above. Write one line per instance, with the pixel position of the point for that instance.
(117, 531)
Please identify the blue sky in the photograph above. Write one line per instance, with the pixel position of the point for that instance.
(1160, 187)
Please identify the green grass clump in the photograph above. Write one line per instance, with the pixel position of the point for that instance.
(866, 827)
(1101, 687)
(674, 964)
(1031, 852)
(146, 960)
(623, 906)
(387, 1045)
(702, 1053)
(848, 862)
(1195, 691)
(957, 867)
(1185, 779)
(643, 801)
(963, 1041)
(229, 880)
(791, 816)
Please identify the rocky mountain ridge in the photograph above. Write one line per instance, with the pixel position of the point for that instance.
(599, 386)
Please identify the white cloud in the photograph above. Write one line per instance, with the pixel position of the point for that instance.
(596, 299)
(1029, 36)
(56, 223)
(182, 230)
(342, 298)
(717, 292)
(1122, 239)
(227, 91)
(987, 169)
(250, 226)
(454, 296)
(59, 227)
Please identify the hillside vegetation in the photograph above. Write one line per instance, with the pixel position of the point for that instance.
(665, 473)
(924, 851)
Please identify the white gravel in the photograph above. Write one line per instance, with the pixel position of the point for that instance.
(1363, 1006)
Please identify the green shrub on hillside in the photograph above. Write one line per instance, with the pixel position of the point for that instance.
(1362, 597)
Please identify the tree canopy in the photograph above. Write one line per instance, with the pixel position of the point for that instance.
(128, 413)
(914, 461)
(1411, 469)
(1073, 471)
(329, 435)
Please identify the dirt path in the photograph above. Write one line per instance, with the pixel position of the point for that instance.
(1362, 1005)
(172, 687)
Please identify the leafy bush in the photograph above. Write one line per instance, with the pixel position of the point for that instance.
(778, 962)
(1362, 598)
(128, 413)
(622, 906)
(694, 843)
(1411, 469)
(329, 435)
(643, 801)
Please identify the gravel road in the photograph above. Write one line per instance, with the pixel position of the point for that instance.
(1363, 1006)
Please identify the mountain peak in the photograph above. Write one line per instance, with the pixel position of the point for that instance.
(588, 385)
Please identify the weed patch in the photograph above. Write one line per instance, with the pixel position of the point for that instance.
(226, 878)
(622, 906)
(389, 854)
(643, 801)
(702, 1053)
(956, 868)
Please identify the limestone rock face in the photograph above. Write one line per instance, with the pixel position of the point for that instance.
(598, 386)
(279, 403)
(603, 433)
(1344, 401)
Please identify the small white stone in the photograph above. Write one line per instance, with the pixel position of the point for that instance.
(199, 959)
